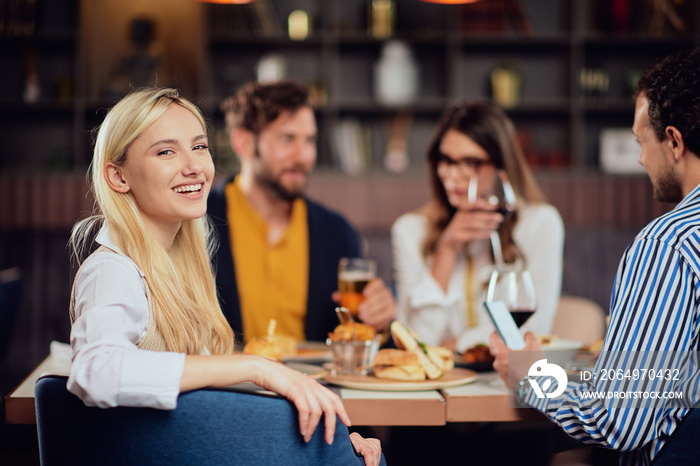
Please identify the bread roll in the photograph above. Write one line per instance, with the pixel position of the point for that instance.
(406, 372)
(263, 347)
(287, 343)
(398, 365)
(394, 357)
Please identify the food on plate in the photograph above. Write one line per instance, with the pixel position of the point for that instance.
(272, 346)
(363, 332)
(262, 346)
(547, 339)
(443, 357)
(479, 353)
(406, 339)
(287, 343)
(397, 364)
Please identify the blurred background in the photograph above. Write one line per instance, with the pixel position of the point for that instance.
(380, 72)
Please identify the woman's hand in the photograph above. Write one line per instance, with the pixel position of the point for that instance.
(311, 399)
(474, 221)
(369, 448)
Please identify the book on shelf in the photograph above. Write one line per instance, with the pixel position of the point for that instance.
(352, 146)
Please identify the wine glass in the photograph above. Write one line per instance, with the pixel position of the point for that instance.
(495, 188)
(514, 287)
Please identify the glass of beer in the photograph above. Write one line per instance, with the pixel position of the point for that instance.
(353, 275)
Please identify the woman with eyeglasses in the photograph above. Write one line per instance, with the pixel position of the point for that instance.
(443, 255)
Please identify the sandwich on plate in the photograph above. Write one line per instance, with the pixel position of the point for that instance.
(413, 360)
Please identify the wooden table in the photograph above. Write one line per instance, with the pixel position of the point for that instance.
(485, 400)
(19, 404)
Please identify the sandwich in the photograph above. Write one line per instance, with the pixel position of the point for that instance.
(442, 357)
(434, 360)
(397, 364)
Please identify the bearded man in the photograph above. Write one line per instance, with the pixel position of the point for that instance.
(278, 250)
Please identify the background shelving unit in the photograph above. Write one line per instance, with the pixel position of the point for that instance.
(41, 40)
(455, 47)
(455, 55)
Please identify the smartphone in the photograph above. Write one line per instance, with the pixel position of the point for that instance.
(505, 325)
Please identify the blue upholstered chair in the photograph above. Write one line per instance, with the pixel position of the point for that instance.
(208, 427)
(681, 448)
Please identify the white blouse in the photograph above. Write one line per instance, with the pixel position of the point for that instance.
(437, 315)
(111, 318)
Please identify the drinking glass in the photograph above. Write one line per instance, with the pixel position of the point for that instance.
(353, 275)
(515, 288)
(497, 190)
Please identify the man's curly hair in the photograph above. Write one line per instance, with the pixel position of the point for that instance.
(672, 87)
(256, 105)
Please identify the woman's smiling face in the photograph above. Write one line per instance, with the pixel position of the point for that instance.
(169, 170)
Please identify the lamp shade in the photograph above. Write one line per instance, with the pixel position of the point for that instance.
(227, 2)
(449, 2)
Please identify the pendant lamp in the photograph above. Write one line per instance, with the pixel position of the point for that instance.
(450, 2)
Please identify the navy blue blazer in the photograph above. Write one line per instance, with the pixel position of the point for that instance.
(330, 238)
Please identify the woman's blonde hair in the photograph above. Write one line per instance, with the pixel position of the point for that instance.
(184, 301)
(491, 129)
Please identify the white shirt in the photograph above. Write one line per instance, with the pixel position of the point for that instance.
(111, 311)
(437, 315)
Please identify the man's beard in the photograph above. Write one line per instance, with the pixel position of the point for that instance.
(668, 187)
(265, 178)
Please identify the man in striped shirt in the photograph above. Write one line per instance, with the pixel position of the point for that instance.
(646, 378)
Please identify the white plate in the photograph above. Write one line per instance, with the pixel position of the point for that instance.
(308, 351)
(561, 351)
(315, 372)
(453, 378)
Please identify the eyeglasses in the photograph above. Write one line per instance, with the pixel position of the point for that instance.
(465, 166)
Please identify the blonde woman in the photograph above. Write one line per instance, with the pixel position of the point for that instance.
(442, 253)
(146, 321)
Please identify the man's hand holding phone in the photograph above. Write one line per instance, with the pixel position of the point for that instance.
(506, 338)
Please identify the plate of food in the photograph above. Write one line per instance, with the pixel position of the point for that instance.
(412, 366)
(478, 358)
(312, 370)
(285, 348)
(309, 351)
(559, 351)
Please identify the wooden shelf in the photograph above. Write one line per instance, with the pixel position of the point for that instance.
(339, 57)
(55, 201)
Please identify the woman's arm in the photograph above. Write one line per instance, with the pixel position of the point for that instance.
(109, 370)
(311, 399)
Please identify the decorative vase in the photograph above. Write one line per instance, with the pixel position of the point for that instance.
(395, 75)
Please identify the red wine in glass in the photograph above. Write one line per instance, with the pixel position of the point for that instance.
(520, 316)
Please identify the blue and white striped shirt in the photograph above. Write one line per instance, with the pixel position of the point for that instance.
(654, 308)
